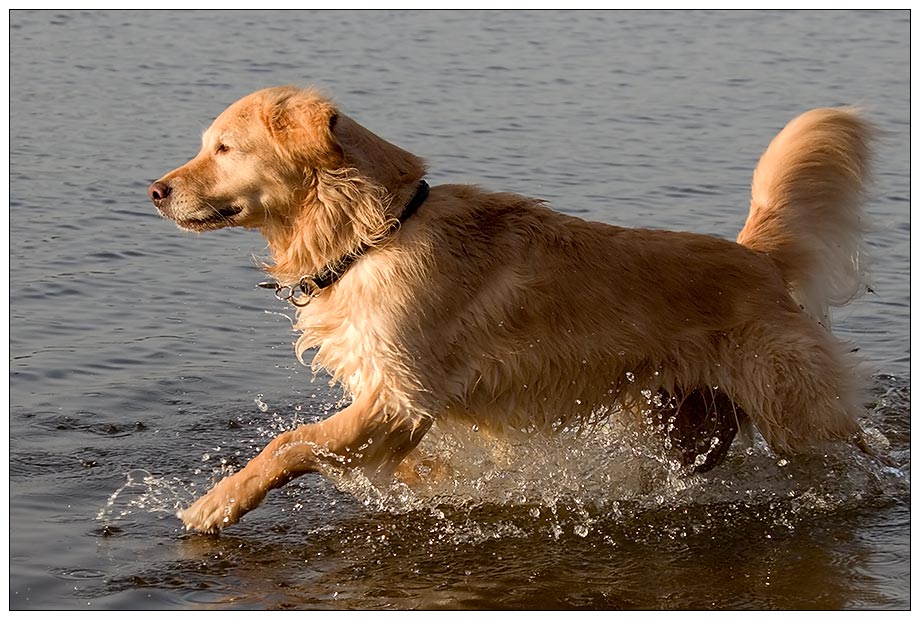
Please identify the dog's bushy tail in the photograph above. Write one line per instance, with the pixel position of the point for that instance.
(806, 207)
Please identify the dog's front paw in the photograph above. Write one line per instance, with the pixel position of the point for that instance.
(223, 505)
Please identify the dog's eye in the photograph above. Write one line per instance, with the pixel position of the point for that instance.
(222, 148)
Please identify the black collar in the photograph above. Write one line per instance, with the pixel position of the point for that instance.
(311, 285)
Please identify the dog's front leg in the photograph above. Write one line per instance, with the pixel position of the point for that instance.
(366, 435)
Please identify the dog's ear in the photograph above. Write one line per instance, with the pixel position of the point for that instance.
(302, 125)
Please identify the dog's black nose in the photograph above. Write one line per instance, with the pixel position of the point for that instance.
(158, 191)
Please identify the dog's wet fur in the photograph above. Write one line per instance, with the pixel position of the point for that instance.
(492, 309)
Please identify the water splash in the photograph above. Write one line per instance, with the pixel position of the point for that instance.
(586, 481)
(145, 493)
(263, 407)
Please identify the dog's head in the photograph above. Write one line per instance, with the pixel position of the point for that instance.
(255, 162)
(284, 160)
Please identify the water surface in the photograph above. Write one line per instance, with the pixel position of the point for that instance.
(143, 361)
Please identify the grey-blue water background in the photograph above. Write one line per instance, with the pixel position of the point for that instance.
(143, 359)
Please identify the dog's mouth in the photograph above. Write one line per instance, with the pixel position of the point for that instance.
(213, 219)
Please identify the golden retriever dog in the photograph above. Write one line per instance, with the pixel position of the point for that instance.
(458, 304)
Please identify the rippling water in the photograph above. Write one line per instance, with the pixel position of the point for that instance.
(143, 362)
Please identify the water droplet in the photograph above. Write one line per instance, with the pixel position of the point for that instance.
(581, 530)
(136, 476)
(630, 377)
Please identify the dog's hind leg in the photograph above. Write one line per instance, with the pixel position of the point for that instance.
(365, 434)
(701, 426)
(797, 383)
(420, 467)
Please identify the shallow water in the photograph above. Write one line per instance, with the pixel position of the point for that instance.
(143, 361)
